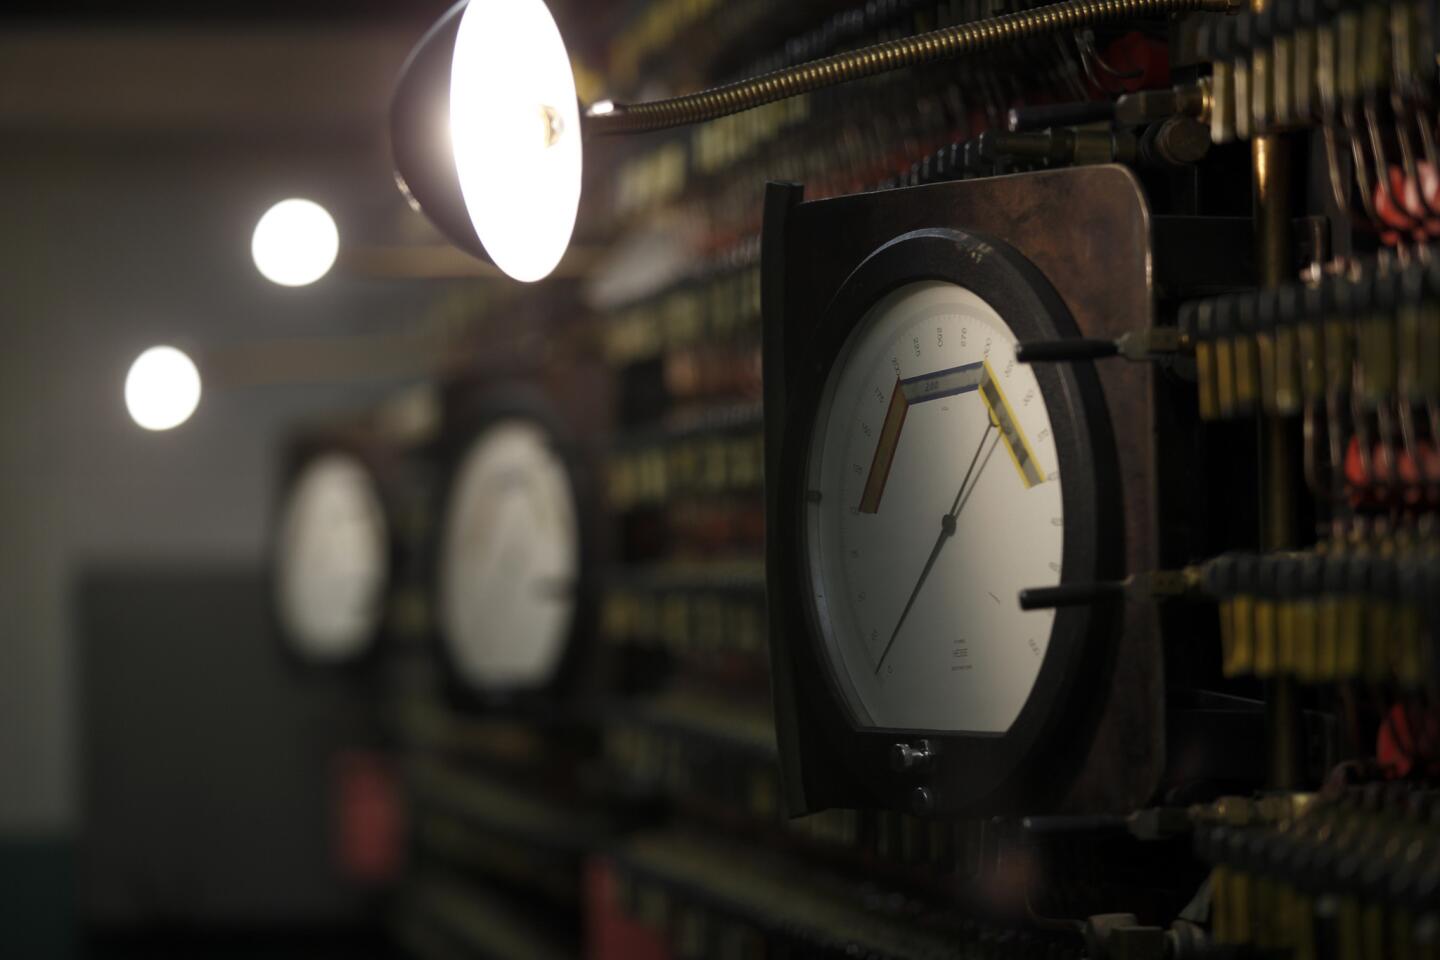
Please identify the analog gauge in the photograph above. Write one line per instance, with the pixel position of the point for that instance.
(925, 479)
(333, 559)
(509, 560)
(919, 479)
(934, 490)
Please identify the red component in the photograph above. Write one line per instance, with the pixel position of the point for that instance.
(1135, 51)
(1375, 490)
(1402, 211)
(610, 932)
(369, 819)
(1409, 742)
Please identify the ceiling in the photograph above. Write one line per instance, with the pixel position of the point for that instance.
(220, 11)
(279, 74)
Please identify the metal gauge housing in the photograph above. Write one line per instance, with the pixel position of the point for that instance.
(333, 559)
(918, 478)
(510, 573)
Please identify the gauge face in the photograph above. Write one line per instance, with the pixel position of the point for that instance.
(333, 559)
(509, 560)
(933, 497)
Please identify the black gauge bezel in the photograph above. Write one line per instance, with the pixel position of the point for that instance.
(477, 415)
(300, 456)
(968, 771)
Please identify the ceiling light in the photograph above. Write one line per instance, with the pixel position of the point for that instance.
(295, 243)
(162, 388)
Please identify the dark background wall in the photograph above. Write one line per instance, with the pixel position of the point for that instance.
(210, 768)
(100, 258)
(141, 143)
(138, 156)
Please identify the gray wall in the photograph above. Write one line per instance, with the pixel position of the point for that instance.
(137, 155)
(102, 253)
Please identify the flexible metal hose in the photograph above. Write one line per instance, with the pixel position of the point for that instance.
(946, 43)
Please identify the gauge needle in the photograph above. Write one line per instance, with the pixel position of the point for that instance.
(947, 528)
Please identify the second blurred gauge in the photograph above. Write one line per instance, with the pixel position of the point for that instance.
(349, 540)
(509, 571)
(333, 557)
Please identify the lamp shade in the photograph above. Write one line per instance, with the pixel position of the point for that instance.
(485, 132)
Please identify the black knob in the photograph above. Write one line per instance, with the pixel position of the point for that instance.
(1061, 351)
(1071, 595)
(1060, 115)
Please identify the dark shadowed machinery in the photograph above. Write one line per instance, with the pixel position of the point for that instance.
(972, 491)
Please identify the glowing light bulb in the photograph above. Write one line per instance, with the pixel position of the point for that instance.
(521, 190)
(295, 243)
(162, 388)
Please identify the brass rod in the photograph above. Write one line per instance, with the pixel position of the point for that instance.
(1272, 163)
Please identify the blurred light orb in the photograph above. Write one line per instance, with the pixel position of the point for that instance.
(162, 388)
(295, 243)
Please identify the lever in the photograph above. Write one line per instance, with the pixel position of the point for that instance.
(1152, 585)
(1151, 344)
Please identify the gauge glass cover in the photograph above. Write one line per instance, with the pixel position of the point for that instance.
(333, 560)
(509, 560)
(934, 497)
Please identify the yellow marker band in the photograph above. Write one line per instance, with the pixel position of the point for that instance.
(885, 450)
(1003, 416)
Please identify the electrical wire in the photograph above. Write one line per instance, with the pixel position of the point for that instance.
(607, 117)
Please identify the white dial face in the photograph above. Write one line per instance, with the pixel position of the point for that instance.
(509, 559)
(333, 559)
(933, 499)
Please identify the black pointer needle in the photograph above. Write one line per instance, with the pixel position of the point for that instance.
(947, 527)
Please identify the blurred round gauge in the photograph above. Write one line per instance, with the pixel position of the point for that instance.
(509, 560)
(332, 560)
